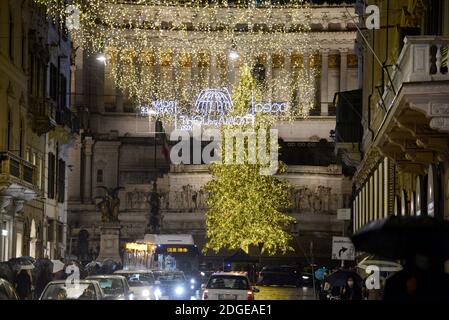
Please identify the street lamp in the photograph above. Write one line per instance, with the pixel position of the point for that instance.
(102, 58)
(233, 54)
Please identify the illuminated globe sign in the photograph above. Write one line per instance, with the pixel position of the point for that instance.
(213, 101)
(212, 108)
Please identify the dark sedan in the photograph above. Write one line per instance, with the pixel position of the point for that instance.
(172, 285)
(282, 276)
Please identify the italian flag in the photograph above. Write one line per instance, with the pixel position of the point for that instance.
(160, 132)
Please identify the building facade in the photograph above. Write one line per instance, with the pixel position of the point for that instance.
(119, 149)
(401, 158)
(36, 130)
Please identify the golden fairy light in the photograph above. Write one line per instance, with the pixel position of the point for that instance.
(151, 46)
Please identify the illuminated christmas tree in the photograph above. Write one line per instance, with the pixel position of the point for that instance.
(244, 205)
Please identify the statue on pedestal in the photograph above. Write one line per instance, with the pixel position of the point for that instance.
(109, 205)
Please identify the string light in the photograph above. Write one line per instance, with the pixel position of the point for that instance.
(146, 42)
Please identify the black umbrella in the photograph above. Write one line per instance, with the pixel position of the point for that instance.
(7, 272)
(399, 237)
(109, 266)
(340, 277)
(22, 263)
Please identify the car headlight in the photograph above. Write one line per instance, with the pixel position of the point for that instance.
(179, 290)
(146, 293)
(158, 292)
(305, 277)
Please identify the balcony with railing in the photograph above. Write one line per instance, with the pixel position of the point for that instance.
(44, 115)
(423, 59)
(410, 119)
(16, 174)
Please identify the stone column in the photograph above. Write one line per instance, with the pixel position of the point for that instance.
(98, 74)
(194, 73)
(119, 100)
(88, 143)
(17, 207)
(343, 69)
(213, 69)
(269, 76)
(306, 66)
(231, 71)
(157, 71)
(174, 73)
(73, 98)
(324, 82)
(288, 73)
(5, 202)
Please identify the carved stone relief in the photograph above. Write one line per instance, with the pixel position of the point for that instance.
(316, 200)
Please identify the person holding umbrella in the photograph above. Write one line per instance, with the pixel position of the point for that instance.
(351, 291)
(23, 284)
(422, 242)
(344, 284)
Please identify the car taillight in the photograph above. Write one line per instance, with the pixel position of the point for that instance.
(205, 296)
(250, 295)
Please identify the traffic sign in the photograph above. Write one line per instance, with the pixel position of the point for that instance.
(342, 249)
(344, 214)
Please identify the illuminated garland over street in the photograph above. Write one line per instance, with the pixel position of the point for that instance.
(138, 37)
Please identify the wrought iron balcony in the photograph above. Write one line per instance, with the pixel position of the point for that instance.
(16, 171)
(44, 115)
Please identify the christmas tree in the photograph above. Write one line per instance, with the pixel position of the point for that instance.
(244, 205)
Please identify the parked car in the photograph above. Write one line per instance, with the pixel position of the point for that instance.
(229, 286)
(7, 291)
(82, 290)
(115, 287)
(283, 276)
(172, 285)
(306, 280)
(141, 283)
